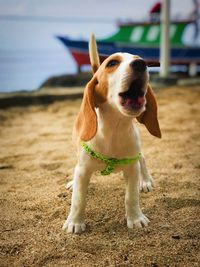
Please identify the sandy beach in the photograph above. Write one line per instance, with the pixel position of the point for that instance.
(37, 157)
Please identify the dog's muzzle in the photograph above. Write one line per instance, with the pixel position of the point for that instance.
(134, 98)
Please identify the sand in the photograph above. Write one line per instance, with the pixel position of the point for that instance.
(37, 159)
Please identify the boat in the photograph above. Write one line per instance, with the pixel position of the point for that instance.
(141, 38)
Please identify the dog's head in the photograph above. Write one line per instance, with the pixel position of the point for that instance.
(122, 81)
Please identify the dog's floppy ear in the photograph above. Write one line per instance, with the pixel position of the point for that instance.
(149, 116)
(86, 122)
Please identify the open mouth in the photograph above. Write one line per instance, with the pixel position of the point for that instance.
(134, 97)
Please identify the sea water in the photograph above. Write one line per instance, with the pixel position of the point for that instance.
(28, 69)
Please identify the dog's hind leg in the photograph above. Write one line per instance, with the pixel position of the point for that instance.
(146, 181)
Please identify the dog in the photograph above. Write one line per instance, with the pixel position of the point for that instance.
(117, 96)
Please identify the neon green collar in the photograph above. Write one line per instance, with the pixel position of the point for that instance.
(111, 163)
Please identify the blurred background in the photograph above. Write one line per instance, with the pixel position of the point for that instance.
(29, 49)
(37, 154)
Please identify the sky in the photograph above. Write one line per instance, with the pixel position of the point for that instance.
(77, 18)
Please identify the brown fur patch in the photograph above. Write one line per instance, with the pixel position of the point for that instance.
(101, 91)
(112, 69)
(149, 116)
(94, 68)
(86, 122)
(136, 57)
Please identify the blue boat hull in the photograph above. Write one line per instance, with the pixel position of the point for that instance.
(179, 55)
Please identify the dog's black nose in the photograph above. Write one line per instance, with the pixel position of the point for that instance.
(138, 65)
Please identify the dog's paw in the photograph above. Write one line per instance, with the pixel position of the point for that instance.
(69, 185)
(139, 221)
(146, 185)
(73, 228)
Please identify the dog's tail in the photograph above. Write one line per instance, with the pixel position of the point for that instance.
(94, 55)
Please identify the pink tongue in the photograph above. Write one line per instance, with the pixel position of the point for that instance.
(138, 101)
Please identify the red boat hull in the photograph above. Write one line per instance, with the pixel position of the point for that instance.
(83, 58)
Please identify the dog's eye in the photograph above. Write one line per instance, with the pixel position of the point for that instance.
(112, 63)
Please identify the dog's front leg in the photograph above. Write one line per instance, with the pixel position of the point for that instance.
(75, 221)
(134, 214)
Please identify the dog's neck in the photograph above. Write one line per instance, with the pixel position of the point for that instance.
(114, 132)
(111, 120)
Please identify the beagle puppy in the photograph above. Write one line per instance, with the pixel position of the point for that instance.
(118, 94)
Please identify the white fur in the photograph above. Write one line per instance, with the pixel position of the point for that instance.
(117, 136)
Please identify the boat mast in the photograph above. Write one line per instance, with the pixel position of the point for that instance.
(165, 39)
